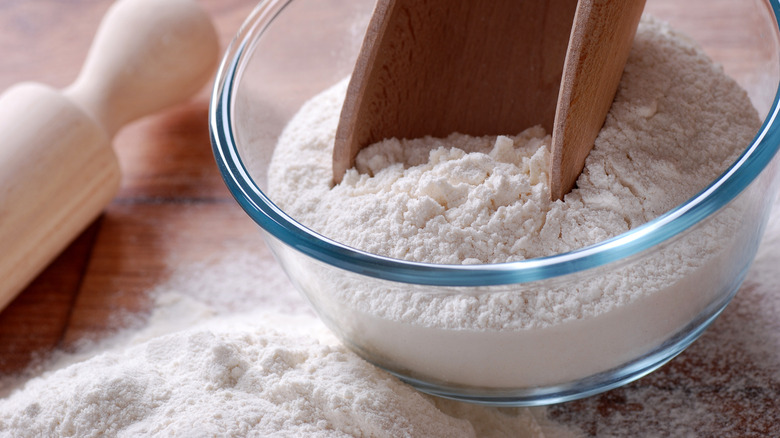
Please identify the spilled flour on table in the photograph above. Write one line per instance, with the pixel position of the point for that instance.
(202, 366)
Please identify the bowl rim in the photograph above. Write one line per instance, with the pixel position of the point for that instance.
(755, 158)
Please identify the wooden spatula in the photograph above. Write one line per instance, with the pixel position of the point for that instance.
(485, 68)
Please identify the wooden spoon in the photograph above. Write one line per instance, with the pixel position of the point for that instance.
(486, 68)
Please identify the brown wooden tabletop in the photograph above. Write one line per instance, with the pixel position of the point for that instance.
(173, 205)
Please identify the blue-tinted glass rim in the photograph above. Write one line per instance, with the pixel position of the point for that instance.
(272, 219)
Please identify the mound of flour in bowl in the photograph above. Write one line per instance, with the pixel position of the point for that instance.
(677, 122)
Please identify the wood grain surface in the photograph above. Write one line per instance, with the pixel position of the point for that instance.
(172, 205)
(409, 81)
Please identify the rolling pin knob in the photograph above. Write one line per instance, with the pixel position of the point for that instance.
(57, 168)
(147, 55)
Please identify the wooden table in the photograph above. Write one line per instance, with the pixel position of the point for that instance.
(172, 205)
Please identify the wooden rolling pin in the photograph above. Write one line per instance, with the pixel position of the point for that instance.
(57, 168)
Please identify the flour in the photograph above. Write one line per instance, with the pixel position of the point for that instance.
(229, 383)
(202, 366)
(677, 122)
(695, 395)
(231, 350)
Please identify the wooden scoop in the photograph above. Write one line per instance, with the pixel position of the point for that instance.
(487, 68)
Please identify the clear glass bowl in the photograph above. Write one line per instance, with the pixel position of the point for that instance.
(288, 51)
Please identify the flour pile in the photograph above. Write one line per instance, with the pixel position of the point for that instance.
(228, 383)
(203, 367)
(677, 122)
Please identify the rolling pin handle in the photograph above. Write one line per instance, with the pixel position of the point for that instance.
(147, 55)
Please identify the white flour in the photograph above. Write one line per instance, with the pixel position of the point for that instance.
(230, 350)
(677, 122)
(695, 395)
(203, 367)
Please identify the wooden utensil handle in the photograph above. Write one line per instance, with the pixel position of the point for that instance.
(57, 167)
(147, 55)
(601, 39)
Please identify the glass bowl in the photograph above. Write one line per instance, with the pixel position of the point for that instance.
(288, 51)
